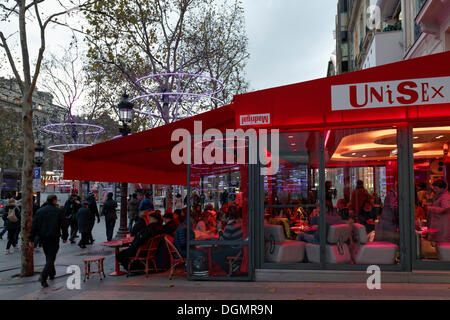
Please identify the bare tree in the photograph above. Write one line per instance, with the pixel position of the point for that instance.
(24, 13)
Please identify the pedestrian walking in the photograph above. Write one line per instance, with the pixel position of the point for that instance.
(84, 224)
(70, 210)
(109, 211)
(50, 225)
(146, 203)
(133, 211)
(11, 217)
(94, 213)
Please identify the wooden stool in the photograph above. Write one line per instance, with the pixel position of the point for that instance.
(87, 267)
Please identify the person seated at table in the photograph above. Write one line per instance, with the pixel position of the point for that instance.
(387, 226)
(177, 216)
(342, 210)
(142, 222)
(367, 216)
(170, 225)
(232, 232)
(153, 229)
(202, 223)
(180, 239)
(331, 218)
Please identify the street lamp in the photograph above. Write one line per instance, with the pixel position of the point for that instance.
(125, 113)
(39, 161)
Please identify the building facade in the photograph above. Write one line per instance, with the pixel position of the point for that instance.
(44, 112)
(371, 33)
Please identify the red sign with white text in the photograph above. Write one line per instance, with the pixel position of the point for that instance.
(390, 94)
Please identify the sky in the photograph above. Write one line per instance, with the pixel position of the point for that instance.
(290, 41)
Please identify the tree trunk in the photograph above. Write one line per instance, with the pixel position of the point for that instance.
(27, 185)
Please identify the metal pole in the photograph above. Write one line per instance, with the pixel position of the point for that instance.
(123, 229)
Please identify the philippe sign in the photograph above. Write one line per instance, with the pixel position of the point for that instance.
(390, 94)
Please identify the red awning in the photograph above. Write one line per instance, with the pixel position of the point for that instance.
(144, 157)
(309, 104)
(403, 91)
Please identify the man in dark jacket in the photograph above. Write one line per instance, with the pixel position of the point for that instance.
(84, 224)
(146, 203)
(49, 224)
(133, 211)
(170, 225)
(94, 213)
(70, 210)
(153, 229)
(109, 211)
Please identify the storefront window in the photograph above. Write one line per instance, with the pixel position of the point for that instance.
(361, 195)
(219, 215)
(432, 205)
(291, 207)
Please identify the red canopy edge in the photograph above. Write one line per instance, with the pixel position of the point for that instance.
(309, 103)
(144, 157)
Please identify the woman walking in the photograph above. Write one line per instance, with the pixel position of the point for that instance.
(11, 216)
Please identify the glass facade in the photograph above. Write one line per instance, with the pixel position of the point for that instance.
(341, 199)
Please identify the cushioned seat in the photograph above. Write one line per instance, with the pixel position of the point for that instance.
(280, 250)
(444, 251)
(376, 252)
(337, 250)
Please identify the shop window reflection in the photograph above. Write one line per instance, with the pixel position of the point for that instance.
(432, 205)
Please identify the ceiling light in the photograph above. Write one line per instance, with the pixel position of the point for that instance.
(364, 156)
(416, 137)
(291, 137)
(293, 144)
(439, 137)
(354, 154)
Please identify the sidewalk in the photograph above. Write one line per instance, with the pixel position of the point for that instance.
(158, 286)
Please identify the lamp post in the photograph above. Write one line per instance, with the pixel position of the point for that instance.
(125, 112)
(39, 161)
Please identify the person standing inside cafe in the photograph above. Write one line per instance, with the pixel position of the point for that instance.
(50, 225)
(439, 211)
(109, 211)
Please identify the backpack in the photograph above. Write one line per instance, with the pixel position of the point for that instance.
(12, 215)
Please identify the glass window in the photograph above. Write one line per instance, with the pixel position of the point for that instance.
(291, 211)
(362, 216)
(432, 206)
(219, 211)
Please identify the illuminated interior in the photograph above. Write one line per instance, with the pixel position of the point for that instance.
(381, 144)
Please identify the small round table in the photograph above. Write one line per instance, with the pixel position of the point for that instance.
(116, 245)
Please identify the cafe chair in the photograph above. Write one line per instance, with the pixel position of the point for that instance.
(146, 253)
(280, 250)
(376, 252)
(284, 222)
(337, 250)
(175, 257)
(234, 263)
(443, 249)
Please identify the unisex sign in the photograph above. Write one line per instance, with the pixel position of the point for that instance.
(390, 94)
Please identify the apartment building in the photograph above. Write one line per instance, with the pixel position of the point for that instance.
(371, 33)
